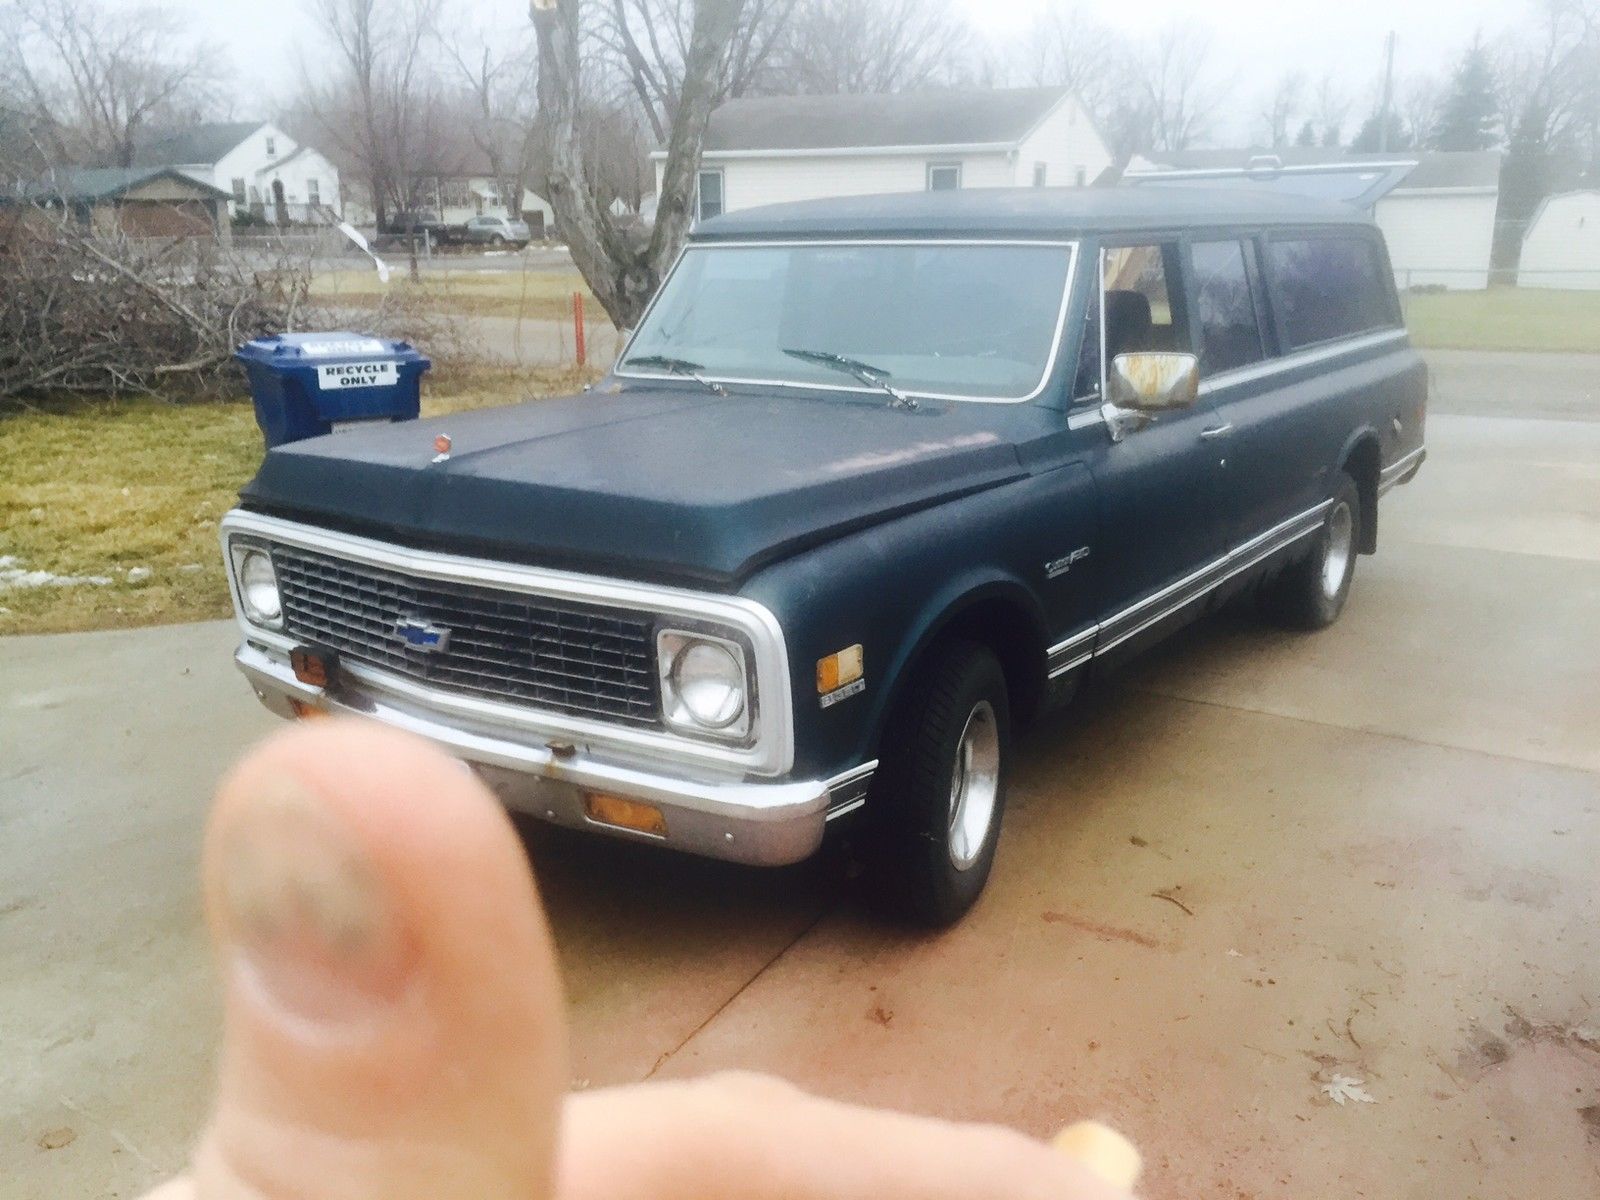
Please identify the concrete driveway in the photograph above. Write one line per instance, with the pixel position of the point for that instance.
(1252, 863)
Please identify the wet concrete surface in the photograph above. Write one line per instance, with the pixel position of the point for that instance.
(1253, 862)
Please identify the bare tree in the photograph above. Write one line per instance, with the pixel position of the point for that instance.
(1285, 103)
(623, 267)
(1176, 90)
(1066, 47)
(1330, 110)
(864, 46)
(648, 42)
(1417, 103)
(376, 101)
(500, 75)
(96, 82)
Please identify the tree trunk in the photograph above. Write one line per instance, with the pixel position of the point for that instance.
(622, 273)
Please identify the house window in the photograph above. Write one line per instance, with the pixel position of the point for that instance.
(314, 191)
(944, 177)
(1080, 177)
(1040, 170)
(272, 147)
(709, 202)
(238, 191)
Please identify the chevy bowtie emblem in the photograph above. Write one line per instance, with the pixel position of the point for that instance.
(441, 448)
(419, 635)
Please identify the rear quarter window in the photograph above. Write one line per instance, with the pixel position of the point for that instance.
(1329, 287)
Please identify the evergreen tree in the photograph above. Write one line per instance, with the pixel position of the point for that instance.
(1331, 137)
(1367, 139)
(1468, 118)
(1308, 135)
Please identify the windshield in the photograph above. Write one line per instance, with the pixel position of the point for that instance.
(950, 320)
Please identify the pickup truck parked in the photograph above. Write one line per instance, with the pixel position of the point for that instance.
(875, 481)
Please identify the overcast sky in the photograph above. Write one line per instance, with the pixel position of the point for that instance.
(1255, 41)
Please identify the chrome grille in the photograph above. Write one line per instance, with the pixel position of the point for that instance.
(575, 659)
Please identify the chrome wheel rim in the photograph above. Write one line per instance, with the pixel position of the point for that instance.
(974, 786)
(1341, 544)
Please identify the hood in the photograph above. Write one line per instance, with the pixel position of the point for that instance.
(642, 481)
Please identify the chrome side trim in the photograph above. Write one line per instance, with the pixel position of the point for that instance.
(1137, 618)
(1301, 358)
(1072, 653)
(1152, 610)
(848, 792)
(1395, 471)
(1082, 420)
(1044, 380)
(771, 751)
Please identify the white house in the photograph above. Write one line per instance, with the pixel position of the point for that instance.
(771, 149)
(1562, 246)
(263, 169)
(467, 189)
(1437, 210)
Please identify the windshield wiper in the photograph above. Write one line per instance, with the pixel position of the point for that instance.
(867, 373)
(678, 366)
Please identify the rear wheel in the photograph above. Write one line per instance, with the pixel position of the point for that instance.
(939, 796)
(1311, 593)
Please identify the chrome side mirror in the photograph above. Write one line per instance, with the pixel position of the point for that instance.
(1142, 384)
(1152, 383)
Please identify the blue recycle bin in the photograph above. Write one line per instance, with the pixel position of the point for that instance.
(308, 384)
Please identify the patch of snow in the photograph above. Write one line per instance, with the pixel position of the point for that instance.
(1234, 954)
(139, 574)
(15, 577)
(1341, 1088)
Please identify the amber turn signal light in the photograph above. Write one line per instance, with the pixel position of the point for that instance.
(622, 813)
(307, 712)
(837, 670)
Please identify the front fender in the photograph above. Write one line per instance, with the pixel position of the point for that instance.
(896, 587)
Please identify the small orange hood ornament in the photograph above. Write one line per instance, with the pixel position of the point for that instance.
(441, 448)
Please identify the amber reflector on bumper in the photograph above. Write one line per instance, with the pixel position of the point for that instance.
(625, 814)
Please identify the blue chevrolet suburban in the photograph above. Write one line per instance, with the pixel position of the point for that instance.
(875, 481)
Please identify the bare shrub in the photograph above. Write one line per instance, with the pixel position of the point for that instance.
(91, 311)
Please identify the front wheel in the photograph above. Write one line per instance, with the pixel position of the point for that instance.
(937, 803)
(1311, 593)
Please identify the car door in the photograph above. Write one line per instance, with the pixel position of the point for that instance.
(1161, 516)
(1236, 343)
(1277, 366)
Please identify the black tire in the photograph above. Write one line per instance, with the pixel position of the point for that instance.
(497, 241)
(1311, 593)
(920, 867)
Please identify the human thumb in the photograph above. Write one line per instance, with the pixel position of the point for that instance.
(393, 1019)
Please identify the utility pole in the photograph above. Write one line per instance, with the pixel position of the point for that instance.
(1384, 119)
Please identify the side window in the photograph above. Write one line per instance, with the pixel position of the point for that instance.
(1230, 335)
(1329, 287)
(710, 195)
(1143, 306)
(944, 177)
(1143, 310)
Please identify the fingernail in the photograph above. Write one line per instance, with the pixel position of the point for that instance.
(1103, 1150)
(307, 910)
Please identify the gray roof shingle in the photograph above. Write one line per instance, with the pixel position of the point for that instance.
(196, 145)
(92, 184)
(946, 118)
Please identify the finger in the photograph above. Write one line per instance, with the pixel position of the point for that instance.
(750, 1138)
(393, 1019)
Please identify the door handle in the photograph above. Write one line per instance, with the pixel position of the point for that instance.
(1217, 431)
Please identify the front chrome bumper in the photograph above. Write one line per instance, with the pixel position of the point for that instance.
(733, 818)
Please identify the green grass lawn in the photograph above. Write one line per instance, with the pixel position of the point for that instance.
(537, 295)
(97, 490)
(1504, 318)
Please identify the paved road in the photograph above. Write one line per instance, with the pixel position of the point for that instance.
(1379, 844)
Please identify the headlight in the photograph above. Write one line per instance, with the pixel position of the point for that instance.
(258, 586)
(704, 684)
